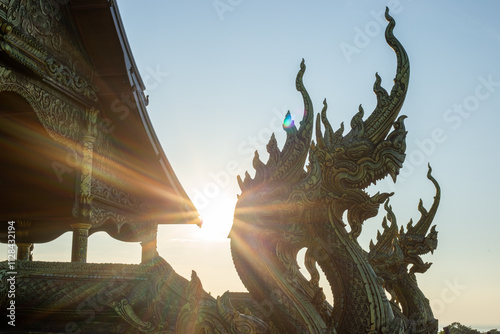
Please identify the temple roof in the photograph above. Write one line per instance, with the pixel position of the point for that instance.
(116, 77)
(63, 72)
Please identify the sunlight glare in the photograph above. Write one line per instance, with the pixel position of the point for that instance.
(217, 219)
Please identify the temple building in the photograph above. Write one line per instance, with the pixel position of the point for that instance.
(79, 152)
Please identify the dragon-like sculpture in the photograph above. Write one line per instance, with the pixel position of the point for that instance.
(285, 208)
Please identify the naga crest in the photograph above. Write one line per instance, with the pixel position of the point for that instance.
(288, 206)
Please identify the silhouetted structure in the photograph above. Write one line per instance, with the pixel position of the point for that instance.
(79, 154)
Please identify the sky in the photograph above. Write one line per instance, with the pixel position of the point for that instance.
(220, 75)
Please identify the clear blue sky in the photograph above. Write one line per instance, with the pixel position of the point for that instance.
(221, 76)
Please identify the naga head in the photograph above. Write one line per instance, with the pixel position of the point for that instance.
(373, 149)
(341, 166)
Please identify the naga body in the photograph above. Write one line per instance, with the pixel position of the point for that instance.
(285, 208)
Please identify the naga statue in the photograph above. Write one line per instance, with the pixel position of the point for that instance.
(286, 207)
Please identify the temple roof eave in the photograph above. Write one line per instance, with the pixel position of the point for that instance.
(111, 27)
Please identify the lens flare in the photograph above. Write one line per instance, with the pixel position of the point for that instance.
(288, 122)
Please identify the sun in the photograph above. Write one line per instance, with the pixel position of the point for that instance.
(217, 219)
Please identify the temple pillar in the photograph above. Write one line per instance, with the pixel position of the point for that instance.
(24, 251)
(87, 164)
(81, 230)
(80, 242)
(24, 248)
(149, 243)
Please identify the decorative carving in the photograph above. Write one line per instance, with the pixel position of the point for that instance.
(285, 208)
(106, 185)
(392, 254)
(125, 310)
(31, 27)
(24, 49)
(89, 137)
(72, 286)
(202, 314)
(16, 37)
(38, 19)
(61, 119)
(112, 194)
(149, 298)
(87, 157)
(91, 120)
(101, 215)
(4, 73)
(68, 78)
(86, 207)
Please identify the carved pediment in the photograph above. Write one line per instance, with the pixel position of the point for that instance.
(38, 35)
